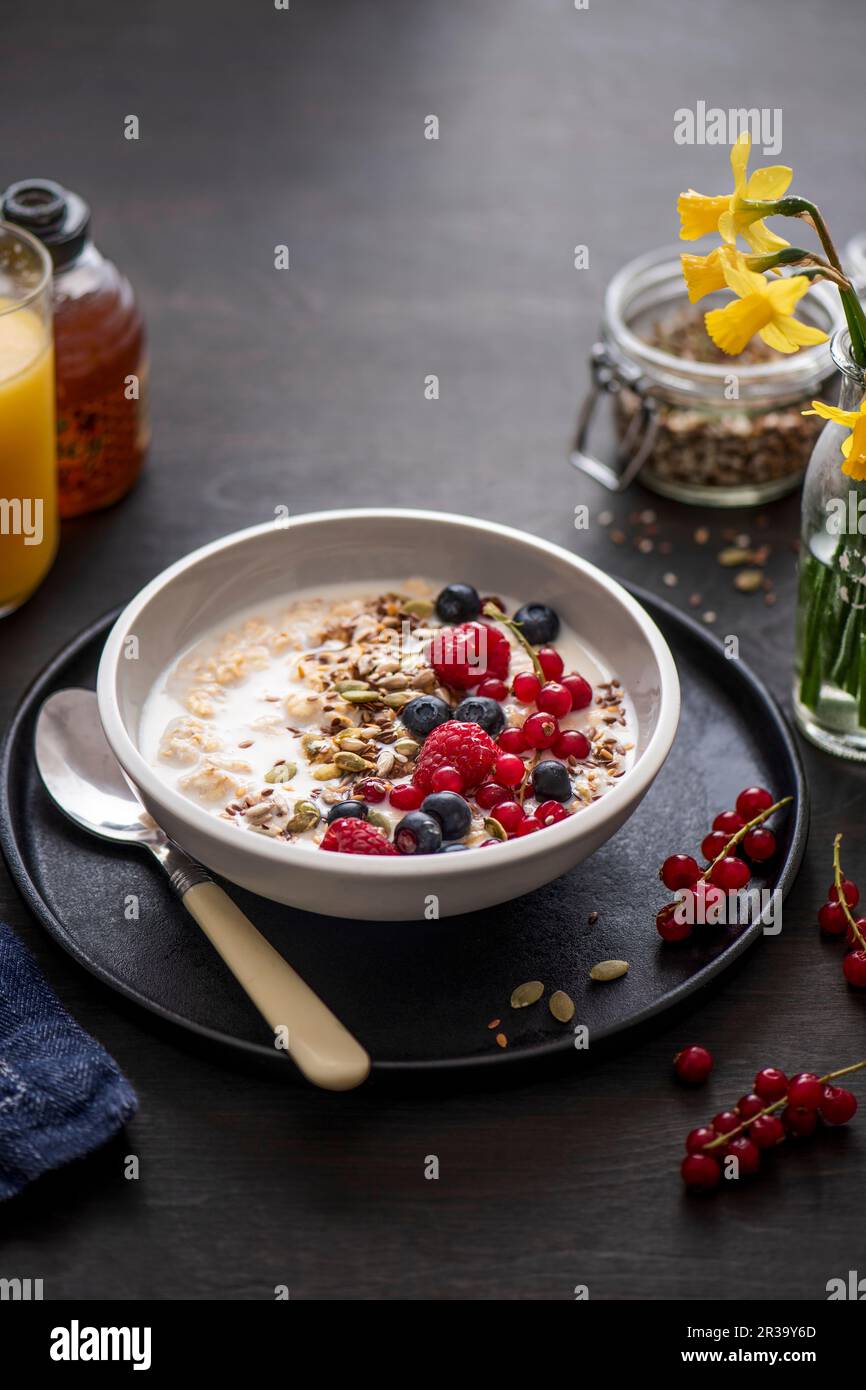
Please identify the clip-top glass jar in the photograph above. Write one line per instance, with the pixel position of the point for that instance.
(695, 424)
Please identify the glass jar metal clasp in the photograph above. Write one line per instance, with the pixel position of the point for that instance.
(609, 378)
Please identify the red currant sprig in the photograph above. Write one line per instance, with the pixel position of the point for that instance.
(744, 1131)
(725, 872)
(836, 917)
(491, 610)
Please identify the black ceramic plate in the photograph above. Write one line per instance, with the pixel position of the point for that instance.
(420, 995)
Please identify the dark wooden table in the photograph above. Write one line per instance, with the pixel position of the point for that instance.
(409, 257)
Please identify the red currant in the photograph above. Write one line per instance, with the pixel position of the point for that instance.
(766, 1131)
(850, 892)
(713, 844)
(509, 770)
(527, 825)
(541, 730)
(798, 1122)
(805, 1090)
(679, 871)
(549, 812)
(854, 968)
(705, 904)
(725, 1121)
(492, 688)
(554, 699)
(832, 919)
(447, 779)
(526, 687)
(406, 797)
(759, 844)
(669, 926)
(693, 1064)
(489, 794)
(749, 1106)
(572, 744)
(747, 1154)
(731, 874)
(728, 822)
(851, 937)
(372, 790)
(551, 663)
(697, 1139)
(752, 802)
(837, 1105)
(580, 689)
(509, 814)
(700, 1171)
(771, 1084)
(512, 741)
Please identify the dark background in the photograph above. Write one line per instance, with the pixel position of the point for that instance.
(408, 257)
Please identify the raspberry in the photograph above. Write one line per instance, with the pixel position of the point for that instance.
(465, 747)
(467, 655)
(352, 836)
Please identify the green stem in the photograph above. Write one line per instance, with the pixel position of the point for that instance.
(810, 676)
(843, 902)
(491, 611)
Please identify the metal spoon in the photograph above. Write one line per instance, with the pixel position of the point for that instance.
(85, 780)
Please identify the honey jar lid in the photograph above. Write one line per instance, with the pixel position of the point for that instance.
(56, 215)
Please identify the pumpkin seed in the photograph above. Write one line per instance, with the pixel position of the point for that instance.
(313, 743)
(734, 555)
(350, 762)
(530, 993)
(561, 1006)
(407, 746)
(360, 697)
(282, 772)
(418, 607)
(376, 818)
(323, 772)
(494, 829)
(608, 970)
(398, 698)
(344, 685)
(748, 581)
(304, 816)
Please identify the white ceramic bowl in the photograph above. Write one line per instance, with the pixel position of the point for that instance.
(270, 561)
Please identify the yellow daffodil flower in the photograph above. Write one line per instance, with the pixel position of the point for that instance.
(854, 447)
(764, 307)
(725, 214)
(705, 274)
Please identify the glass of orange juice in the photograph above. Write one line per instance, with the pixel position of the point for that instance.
(28, 458)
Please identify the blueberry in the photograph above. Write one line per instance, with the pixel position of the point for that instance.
(450, 849)
(551, 782)
(480, 709)
(538, 623)
(451, 811)
(458, 603)
(424, 714)
(418, 833)
(355, 809)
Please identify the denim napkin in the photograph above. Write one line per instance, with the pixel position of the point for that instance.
(61, 1095)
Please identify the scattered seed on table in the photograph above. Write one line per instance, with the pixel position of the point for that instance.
(494, 1023)
(608, 970)
(561, 1006)
(702, 535)
(617, 537)
(733, 555)
(592, 918)
(670, 580)
(709, 616)
(645, 545)
(529, 993)
(748, 581)
(769, 599)
(501, 1039)
(665, 547)
(605, 519)
(694, 600)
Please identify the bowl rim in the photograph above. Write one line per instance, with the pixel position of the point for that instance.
(628, 789)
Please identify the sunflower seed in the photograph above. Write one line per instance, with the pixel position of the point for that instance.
(385, 762)
(397, 681)
(561, 1006)
(398, 698)
(608, 970)
(530, 993)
